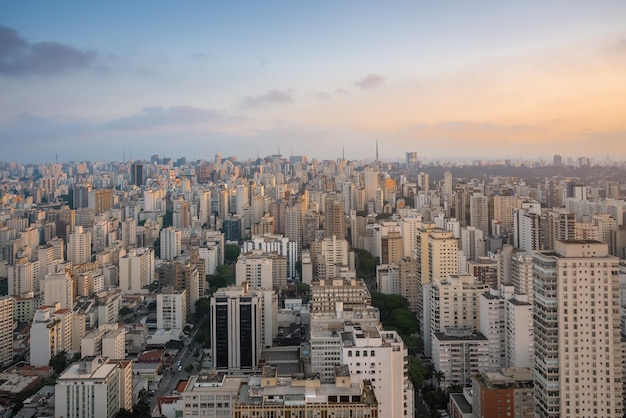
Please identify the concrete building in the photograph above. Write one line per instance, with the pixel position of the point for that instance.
(136, 270)
(381, 357)
(46, 335)
(577, 367)
(236, 330)
(454, 303)
(23, 277)
(348, 294)
(328, 256)
(278, 244)
(503, 211)
(211, 395)
(271, 396)
(479, 212)
(171, 243)
(89, 388)
(172, 309)
(520, 348)
(509, 392)
(493, 326)
(59, 288)
(79, 246)
(256, 270)
(6, 329)
(460, 353)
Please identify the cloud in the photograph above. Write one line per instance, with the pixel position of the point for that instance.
(273, 97)
(370, 82)
(158, 116)
(18, 57)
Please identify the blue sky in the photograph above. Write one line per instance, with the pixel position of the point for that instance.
(475, 79)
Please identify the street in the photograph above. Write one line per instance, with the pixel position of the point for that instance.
(169, 380)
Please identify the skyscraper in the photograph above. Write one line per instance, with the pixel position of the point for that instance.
(578, 354)
(136, 174)
(236, 329)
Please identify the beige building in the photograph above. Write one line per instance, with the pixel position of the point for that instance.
(327, 294)
(271, 396)
(6, 329)
(578, 353)
(454, 303)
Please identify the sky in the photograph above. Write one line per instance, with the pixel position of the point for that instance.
(448, 79)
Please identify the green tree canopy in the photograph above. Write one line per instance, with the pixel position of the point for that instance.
(203, 308)
(231, 252)
(365, 263)
(58, 362)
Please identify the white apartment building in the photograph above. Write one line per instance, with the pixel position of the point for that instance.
(454, 303)
(172, 309)
(23, 277)
(493, 326)
(380, 357)
(520, 350)
(171, 243)
(59, 288)
(46, 336)
(79, 246)
(578, 349)
(89, 388)
(256, 270)
(388, 279)
(136, 270)
(275, 244)
(460, 353)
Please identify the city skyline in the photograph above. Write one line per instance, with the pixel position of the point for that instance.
(480, 80)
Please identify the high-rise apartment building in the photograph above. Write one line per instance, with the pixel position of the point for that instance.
(172, 309)
(171, 242)
(578, 352)
(334, 221)
(136, 270)
(23, 277)
(6, 329)
(100, 200)
(479, 212)
(503, 210)
(79, 246)
(59, 288)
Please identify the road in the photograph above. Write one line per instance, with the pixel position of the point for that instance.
(169, 380)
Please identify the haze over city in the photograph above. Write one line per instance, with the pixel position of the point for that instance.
(451, 80)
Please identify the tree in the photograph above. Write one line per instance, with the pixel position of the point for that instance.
(189, 368)
(58, 362)
(125, 310)
(304, 290)
(223, 277)
(417, 372)
(366, 263)
(203, 308)
(231, 252)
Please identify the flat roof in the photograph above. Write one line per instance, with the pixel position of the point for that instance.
(461, 402)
